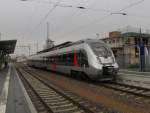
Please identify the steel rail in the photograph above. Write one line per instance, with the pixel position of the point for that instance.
(138, 91)
(87, 110)
(134, 90)
(80, 106)
(36, 99)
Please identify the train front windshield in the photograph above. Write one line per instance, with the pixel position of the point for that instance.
(100, 49)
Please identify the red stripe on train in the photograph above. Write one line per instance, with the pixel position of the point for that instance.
(75, 62)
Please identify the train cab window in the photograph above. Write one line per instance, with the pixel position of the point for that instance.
(100, 49)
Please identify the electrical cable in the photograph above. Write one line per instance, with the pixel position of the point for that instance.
(105, 17)
(131, 5)
(62, 5)
(50, 11)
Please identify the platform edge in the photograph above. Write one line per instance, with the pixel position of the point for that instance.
(29, 102)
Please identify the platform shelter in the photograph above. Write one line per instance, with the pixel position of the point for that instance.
(6, 47)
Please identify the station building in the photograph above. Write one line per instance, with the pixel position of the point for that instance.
(6, 47)
(125, 46)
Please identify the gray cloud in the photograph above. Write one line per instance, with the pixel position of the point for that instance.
(20, 20)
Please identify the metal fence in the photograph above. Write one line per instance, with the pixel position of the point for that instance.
(130, 57)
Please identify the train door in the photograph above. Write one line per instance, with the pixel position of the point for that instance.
(44, 62)
(83, 60)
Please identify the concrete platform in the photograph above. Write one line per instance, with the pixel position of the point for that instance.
(13, 97)
(3, 74)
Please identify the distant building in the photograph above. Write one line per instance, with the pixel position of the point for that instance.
(125, 46)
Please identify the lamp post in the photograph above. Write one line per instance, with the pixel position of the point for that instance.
(141, 52)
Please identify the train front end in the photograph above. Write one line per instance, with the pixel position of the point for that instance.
(103, 64)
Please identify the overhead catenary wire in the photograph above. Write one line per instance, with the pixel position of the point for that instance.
(104, 17)
(82, 26)
(73, 6)
(47, 14)
(64, 5)
(131, 5)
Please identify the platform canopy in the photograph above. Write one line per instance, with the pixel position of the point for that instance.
(7, 46)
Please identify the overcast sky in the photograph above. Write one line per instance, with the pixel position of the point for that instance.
(26, 21)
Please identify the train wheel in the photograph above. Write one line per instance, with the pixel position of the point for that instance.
(85, 77)
(73, 74)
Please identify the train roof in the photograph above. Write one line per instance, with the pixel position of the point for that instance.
(55, 47)
(63, 46)
(67, 44)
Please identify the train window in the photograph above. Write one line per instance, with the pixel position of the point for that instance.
(100, 49)
(64, 59)
(71, 56)
(56, 59)
(82, 58)
(59, 59)
(68, 60)
(44, 60)
(51, 59)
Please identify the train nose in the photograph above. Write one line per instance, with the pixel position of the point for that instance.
(109, 70)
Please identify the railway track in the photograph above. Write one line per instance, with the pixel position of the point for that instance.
(135, 73)
(138, 91)
(134, 90)
(50, 99)
(139, 79)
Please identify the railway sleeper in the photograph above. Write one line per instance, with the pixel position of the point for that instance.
(132, 90)
(68, 110)
(62, 106)
(80, 111)
(146, 93)
(127, 88)
(52, 98)
(49, 93)
(55, 100)
(46, 91)
(59, 103)
(139, 91)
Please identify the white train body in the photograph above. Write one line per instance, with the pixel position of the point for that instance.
(90, 57)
